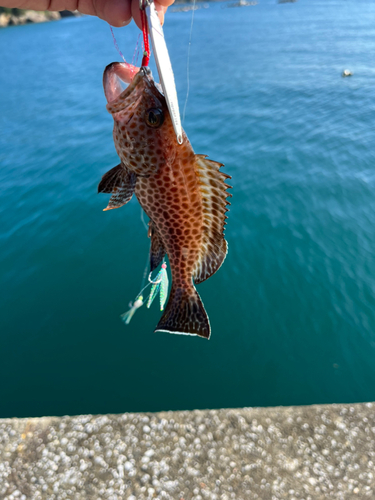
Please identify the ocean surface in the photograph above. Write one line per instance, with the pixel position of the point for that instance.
(292, 309)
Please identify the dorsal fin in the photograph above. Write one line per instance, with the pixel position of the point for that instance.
(157, 250)
(121, 183)
(214, 200)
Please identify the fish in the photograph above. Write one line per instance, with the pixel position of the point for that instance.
(183, 194)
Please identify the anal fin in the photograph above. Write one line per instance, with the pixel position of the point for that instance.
(157, 250)
(121, 183)
(212, 257)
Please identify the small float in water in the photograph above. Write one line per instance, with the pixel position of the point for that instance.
(346, 73)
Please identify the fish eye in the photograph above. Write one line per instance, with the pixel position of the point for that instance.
(154, 117)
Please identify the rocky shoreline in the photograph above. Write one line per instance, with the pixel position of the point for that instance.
(32, 16)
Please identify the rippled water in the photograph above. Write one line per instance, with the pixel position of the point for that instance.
(293, 308)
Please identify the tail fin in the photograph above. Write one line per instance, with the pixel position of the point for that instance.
(185, 314)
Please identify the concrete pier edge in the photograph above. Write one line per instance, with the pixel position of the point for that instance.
(307, 452)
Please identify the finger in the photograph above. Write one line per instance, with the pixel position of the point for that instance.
(115, 12)
(28, 4)
(135, 12)
(161, 10)
(56, 5)
(165, 3)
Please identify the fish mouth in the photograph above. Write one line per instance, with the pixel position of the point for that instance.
(116, 74)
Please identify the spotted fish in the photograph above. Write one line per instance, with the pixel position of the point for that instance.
(183, 194)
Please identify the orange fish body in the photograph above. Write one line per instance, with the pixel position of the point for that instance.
(183, 194)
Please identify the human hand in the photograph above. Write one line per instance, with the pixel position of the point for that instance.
(116, 12)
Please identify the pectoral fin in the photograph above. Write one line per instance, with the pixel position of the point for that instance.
(157, 250)
(121, 183)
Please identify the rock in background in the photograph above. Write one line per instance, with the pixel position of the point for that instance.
(14, 17)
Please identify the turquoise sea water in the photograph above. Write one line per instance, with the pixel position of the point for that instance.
(292, 309)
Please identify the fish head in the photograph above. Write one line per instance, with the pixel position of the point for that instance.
(143, 131)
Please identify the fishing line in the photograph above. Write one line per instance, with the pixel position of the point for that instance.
(115, 44)
(137, 58)
(136, 51)
(145, 272)
(144, 288)
(188, 62)
(143, 219)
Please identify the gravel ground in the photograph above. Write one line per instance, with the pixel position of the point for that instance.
(311, 452)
